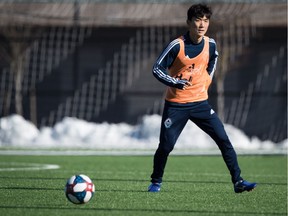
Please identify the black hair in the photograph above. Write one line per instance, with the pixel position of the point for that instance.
(199, 11)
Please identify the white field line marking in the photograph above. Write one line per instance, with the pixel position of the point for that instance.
(17, 166)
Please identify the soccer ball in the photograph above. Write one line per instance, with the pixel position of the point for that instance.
(79, 189)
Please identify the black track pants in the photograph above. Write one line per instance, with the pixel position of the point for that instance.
(174, 119)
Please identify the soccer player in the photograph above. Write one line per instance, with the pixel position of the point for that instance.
(187, 66)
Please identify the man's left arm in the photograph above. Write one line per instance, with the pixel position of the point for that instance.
(213, 57)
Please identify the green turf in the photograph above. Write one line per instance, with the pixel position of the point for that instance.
(193, 185)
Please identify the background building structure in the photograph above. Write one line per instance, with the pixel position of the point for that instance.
(92, 60)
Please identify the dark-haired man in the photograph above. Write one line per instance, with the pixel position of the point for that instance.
(187, 66)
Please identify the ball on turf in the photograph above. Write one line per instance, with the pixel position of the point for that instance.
(79, 189)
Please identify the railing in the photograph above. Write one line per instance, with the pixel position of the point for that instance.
(38, 61)
(117, 76)
(273, 76)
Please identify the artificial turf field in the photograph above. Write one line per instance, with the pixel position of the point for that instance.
(194, 185)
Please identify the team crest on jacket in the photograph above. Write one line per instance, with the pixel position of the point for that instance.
(168, 123)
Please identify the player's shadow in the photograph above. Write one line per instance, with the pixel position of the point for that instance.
(116, 180)
(133, 180)
(183, 181)
(31, 188)
(33, 178)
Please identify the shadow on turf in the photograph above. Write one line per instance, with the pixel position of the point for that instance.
(134, 180)
(142, 210)
(115, 190)
(29, 188)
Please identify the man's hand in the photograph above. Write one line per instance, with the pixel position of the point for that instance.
(183, 84)
(186, 85)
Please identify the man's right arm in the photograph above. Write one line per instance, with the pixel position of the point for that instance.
(164, 61)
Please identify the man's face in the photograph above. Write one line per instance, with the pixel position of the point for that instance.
(198, 26)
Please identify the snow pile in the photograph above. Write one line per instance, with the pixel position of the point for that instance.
(73, 133)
